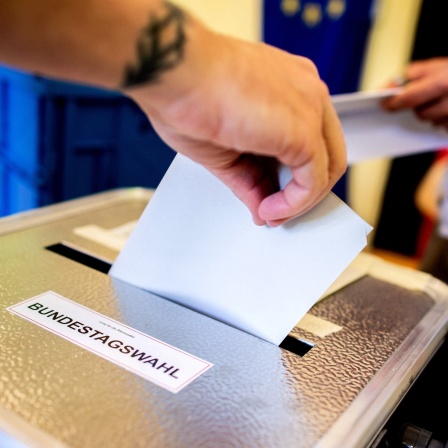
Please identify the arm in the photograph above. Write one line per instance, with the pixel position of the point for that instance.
(429, 191)
(426, 91)
(237, 108)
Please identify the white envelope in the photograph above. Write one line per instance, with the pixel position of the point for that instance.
(371, 132)
(196, 244)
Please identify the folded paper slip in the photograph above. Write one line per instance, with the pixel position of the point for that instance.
(371, 132)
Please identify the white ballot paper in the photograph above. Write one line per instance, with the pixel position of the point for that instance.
(196, 244)
(371, 132)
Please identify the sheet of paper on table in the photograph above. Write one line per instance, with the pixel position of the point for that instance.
(371, 132)
(196, 244)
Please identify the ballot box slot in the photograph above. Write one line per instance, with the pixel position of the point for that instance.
(296, 346)
(290, 343)
(80, 256)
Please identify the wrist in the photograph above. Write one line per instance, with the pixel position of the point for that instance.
(160, 47)
(176, 53)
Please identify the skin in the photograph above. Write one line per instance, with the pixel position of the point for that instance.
(426, 91)
(428, 192)
(238, 108)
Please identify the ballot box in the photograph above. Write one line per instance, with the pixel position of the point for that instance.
(64, 382)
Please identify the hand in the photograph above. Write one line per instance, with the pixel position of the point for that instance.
(426, 91)
(240, 109)
(237, 108)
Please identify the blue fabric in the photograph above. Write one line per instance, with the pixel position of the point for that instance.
(332, 33)
(335, 41)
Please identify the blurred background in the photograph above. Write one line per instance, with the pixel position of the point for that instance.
(60, 141)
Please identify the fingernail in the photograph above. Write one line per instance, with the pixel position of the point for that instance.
(400, 80)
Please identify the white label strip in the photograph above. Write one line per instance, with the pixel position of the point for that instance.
(160, 363)
(317, 325)
(113, 238)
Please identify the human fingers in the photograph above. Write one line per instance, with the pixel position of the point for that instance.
(426, 67)
(298, 196)
(335, 143)
(289, 128)
(414, 94)
(312, 180)
(307, 160)
(254, 178)
(435, 111)
(250, 177)
(426, 81)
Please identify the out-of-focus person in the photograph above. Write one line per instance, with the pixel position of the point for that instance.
(426, 92)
